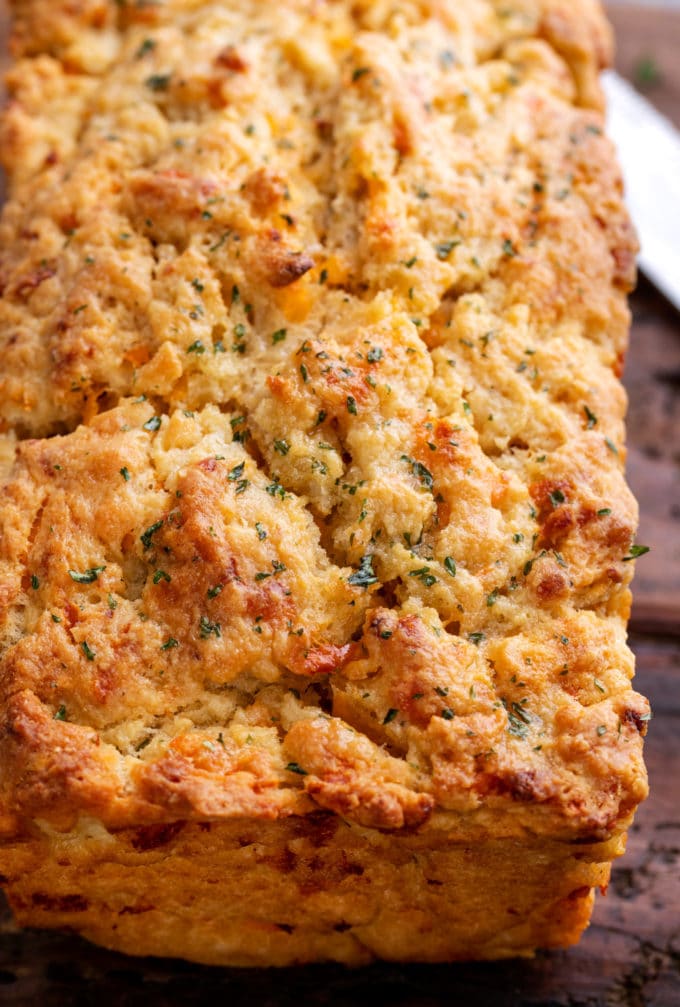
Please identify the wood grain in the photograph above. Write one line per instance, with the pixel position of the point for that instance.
(644, 34)
(652, 379)
(653, 368)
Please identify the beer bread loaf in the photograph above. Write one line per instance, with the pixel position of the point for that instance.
(315, 541)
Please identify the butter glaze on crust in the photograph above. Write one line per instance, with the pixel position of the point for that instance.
(311, 327)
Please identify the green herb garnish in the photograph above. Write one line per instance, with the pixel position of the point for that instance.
(635, 551)
(145, 537)
(364, 576)
(88, 576)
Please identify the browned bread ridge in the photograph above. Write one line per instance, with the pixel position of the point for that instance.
(315, 541)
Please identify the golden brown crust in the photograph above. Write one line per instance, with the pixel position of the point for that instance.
(303, 889)
(312, 494)
(162, 596)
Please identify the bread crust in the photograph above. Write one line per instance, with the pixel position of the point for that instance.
(302, 889)
(312, 505)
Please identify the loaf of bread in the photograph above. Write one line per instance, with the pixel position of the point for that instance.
(315, 542)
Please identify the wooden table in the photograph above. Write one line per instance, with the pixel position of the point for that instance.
(631, 954)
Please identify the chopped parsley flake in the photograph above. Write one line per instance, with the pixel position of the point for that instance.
(61, 713)
(293, 767)
(390, 715)
(170, 643)
(635, 551)
(351, 405)
(364, 576)
(209, 628)
(161, 575)
(420, 472)
(125, 472)
(146, 537)
(518, 720)
(445, 248)
(591, 417)
(278, 567)
(153, 423)
(279, 335)
(275, 489)
(158, 81)
(423, 574)
(220, 241)
(88, 576)
(236, 473)
(557, 497)
(647, 72)
(87, 651)
(450, 565)
(147, 46)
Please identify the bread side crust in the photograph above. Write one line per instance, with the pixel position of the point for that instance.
(285, 893)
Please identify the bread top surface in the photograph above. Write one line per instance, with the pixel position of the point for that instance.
(336, 293)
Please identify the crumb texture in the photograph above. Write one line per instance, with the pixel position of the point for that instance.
(311, 430)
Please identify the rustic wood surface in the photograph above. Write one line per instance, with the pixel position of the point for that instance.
(630, 956)
(648, 51)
